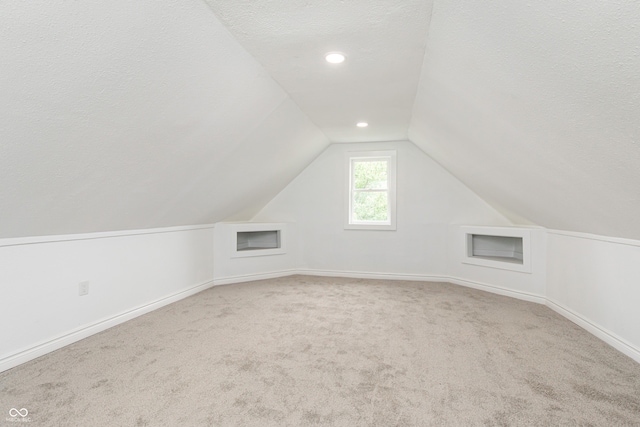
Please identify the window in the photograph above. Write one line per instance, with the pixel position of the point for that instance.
(372, 190)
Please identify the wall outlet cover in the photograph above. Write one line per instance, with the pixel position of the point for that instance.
(83, 288)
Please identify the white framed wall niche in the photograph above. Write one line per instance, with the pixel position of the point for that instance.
(258, 239)
(505, 248)
(246, 251)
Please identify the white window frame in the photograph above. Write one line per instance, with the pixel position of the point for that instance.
(390, 157)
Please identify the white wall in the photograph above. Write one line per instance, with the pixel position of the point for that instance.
(231, 269)
(427, 245)
(592, 280)
(428, 200)
(534, 105)
(595, 281)
(130, 273)
(524, 285)
(132, 115)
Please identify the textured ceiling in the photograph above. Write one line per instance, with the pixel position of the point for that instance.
(536, 107)
(384, 43)
(122, 115)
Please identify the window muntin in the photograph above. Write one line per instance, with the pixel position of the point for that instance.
(371, 193)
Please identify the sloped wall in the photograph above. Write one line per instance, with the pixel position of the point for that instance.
(535, 108)
(130, 115)
(428, 200)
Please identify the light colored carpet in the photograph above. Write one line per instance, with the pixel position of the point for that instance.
(304, 351)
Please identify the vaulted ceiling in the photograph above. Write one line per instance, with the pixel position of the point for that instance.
(384, 44)
(536, 107)
(123, 115)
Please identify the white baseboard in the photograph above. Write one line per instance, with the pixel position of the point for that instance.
(59, 342)
(388, 276)
(99, 326)
(253, 277)
(609, 337)
(368, 275)
(428, 278)
(525, 296)
(603, 334)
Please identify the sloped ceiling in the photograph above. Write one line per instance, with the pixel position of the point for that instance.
(384, 44)
(536, 107)
(122, 115)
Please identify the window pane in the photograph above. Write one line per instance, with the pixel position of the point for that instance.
(370, 206)
(370, 175)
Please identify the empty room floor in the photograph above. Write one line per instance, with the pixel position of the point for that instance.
(304, 351)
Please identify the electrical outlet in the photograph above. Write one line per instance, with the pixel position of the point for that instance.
(83, 288)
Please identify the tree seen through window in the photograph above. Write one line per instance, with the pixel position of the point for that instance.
(370, 191)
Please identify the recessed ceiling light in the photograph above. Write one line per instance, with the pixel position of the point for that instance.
(335, 57)
(362, 124)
